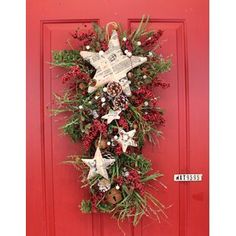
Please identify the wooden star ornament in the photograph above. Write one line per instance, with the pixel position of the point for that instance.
(112, 115)
(111, 65)
(126, 139)
(98, 165)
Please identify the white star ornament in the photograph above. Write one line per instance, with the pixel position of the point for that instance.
(112, 115)
(98, 165)
(111, 65)
(126, 139)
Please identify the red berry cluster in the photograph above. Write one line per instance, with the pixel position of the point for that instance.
(96, 198)
(118, 150)
(154, 116)
(104, 45)
(119, 180)
(151, 41)
(133, 180)
(142, 95)
(97, 128)
(75, 73)
(127, 45)
(159, 83)
(84, 37)
(123, 123)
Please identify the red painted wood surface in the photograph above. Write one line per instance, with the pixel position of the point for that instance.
(53, 189)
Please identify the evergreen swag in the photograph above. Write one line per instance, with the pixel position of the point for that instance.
(131, 176)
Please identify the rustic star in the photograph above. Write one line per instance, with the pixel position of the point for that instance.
(112, 115)
(98, 165)
(111, 65)
(126, 139)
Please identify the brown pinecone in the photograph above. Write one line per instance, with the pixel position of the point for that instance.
(120, 102)
(114, 89)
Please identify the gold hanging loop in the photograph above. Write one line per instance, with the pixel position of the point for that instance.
(110, 24)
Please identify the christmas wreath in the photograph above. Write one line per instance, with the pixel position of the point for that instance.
(111, 109)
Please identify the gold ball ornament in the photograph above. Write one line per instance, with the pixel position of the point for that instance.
(113, 196)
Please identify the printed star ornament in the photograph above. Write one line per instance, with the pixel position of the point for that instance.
(112, 115)
(126, 139)
(111, 65)
(98, 165)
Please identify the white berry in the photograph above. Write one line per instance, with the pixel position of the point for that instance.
(145, 103)
(117, 187)
(145, 77)
(124, 39)
(150, 54)
(103, 99)
(95, 114)
(80, 107)
(101, 53)
(115, 137)
(87, 47)
(126, 174)
(138, 43)
(108, 143)
(104, 89)
(129, 54)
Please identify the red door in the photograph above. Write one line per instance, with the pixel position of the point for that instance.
(53, 189)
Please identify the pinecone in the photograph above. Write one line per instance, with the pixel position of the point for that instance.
(107, 155)
(114, 89)
(120, 102)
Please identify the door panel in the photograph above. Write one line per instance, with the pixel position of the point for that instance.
(53, 188)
